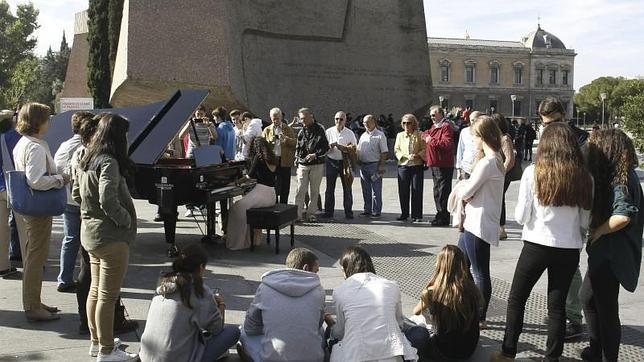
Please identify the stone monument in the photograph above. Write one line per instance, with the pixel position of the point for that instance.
(361, 56)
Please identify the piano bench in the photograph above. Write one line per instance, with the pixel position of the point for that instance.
(271, 218)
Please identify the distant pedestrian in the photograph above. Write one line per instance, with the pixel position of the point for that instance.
(372, 154)
(342, 148)
(10, 138)
(530, 136)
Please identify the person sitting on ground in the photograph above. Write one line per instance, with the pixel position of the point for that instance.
(368, 314)
(450, 303)
(262, 168)
(290, 294)
(186, 319)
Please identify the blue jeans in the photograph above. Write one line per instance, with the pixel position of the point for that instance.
(217, 345)
(333, 171)
(70, 244)
(477, 252)
(14, 243)
(371, 190)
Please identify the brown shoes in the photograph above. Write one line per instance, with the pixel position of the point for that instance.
(41, 315)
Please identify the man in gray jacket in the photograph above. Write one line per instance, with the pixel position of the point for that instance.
(283, 321)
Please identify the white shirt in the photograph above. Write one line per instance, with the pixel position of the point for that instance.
(369, 317)
(343, 138)
(63, 162)
(466, 151)
(32, 156)
(485, 188)
(372, 145)
(253, 130)
(556, 226)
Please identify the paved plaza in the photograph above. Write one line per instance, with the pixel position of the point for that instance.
(401, 251)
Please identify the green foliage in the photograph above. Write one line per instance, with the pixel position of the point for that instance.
(99, 78)
(634, 118)
(104, 26)
(23, 82)
(16, 45)
(617, 90)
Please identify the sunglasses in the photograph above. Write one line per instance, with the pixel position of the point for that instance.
(339, 119)
(406, 123)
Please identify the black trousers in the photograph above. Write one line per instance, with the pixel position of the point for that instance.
(534, 259)
(506, 184)
(282, 184)
(442, 188)
(602, 311)
(410, 178)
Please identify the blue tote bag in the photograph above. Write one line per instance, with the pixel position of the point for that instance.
(26, 200)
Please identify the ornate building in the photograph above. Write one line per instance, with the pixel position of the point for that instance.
(510, 77)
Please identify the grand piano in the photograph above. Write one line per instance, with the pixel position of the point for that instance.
(166, 182)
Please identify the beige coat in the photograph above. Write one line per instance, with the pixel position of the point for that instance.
(287, 143)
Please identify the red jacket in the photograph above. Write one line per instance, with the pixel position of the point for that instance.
(440, 148)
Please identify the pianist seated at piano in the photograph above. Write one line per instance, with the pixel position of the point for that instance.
(262, 169)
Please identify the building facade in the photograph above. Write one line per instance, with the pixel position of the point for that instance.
(510, 77)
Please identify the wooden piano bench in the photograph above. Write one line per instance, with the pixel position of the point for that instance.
(272, 218)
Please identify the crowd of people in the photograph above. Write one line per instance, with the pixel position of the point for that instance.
(581, 190)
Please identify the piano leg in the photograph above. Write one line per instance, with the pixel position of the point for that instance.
(169, 215)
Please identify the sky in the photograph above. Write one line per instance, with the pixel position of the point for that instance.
(604, 33)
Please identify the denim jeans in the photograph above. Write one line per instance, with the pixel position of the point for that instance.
(477, 252)
(533, 261)
(371, 190)
(333, 171)
(14, 243)
(217, 345)
(70, 244)
(573, 300)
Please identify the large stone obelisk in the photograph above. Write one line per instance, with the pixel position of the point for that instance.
(361, 56)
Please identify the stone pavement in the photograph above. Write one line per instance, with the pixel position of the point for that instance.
(401, 251)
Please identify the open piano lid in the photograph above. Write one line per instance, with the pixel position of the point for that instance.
(152, 126)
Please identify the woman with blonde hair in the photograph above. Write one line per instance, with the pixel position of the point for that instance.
(450, 303)
(615, 244)
(483, 193)
(32, 156)
(554, 203)
(410, 152)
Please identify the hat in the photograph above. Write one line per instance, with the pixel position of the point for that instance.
(6, 114)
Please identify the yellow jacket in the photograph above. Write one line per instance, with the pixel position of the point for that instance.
(401, 148)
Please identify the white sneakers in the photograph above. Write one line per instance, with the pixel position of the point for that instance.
(95, 348)
(117, 355)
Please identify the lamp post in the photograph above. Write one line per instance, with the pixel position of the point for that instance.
(513, 97)
(602, 95)
(584, 119)
(440, 101)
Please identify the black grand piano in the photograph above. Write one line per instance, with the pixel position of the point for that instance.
(166, 182)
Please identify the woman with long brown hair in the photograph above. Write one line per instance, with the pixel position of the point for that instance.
(508, 154)
(615, 244)
(450, 303)
(483, 192)
(554, 203)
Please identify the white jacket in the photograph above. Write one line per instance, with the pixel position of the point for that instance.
(369, 318)
(32, 156)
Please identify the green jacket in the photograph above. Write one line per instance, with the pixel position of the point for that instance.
(107, 210)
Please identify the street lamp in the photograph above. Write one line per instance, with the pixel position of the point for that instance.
(602, 95)
(584, 119)
(513, 97)
(440, 100)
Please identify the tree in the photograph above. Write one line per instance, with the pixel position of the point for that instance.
(588, 99)
(16, 41)
(634, 119)
(104, 26)
(99, 77)
(23, 82)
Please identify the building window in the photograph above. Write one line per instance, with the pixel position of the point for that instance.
(494, 75)
(552, 76)
(445, 73)
(540, 76)
(518, 75)
(469, 103)
(517, 108)
(564, 77)
(469, 73)
(493, 107)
